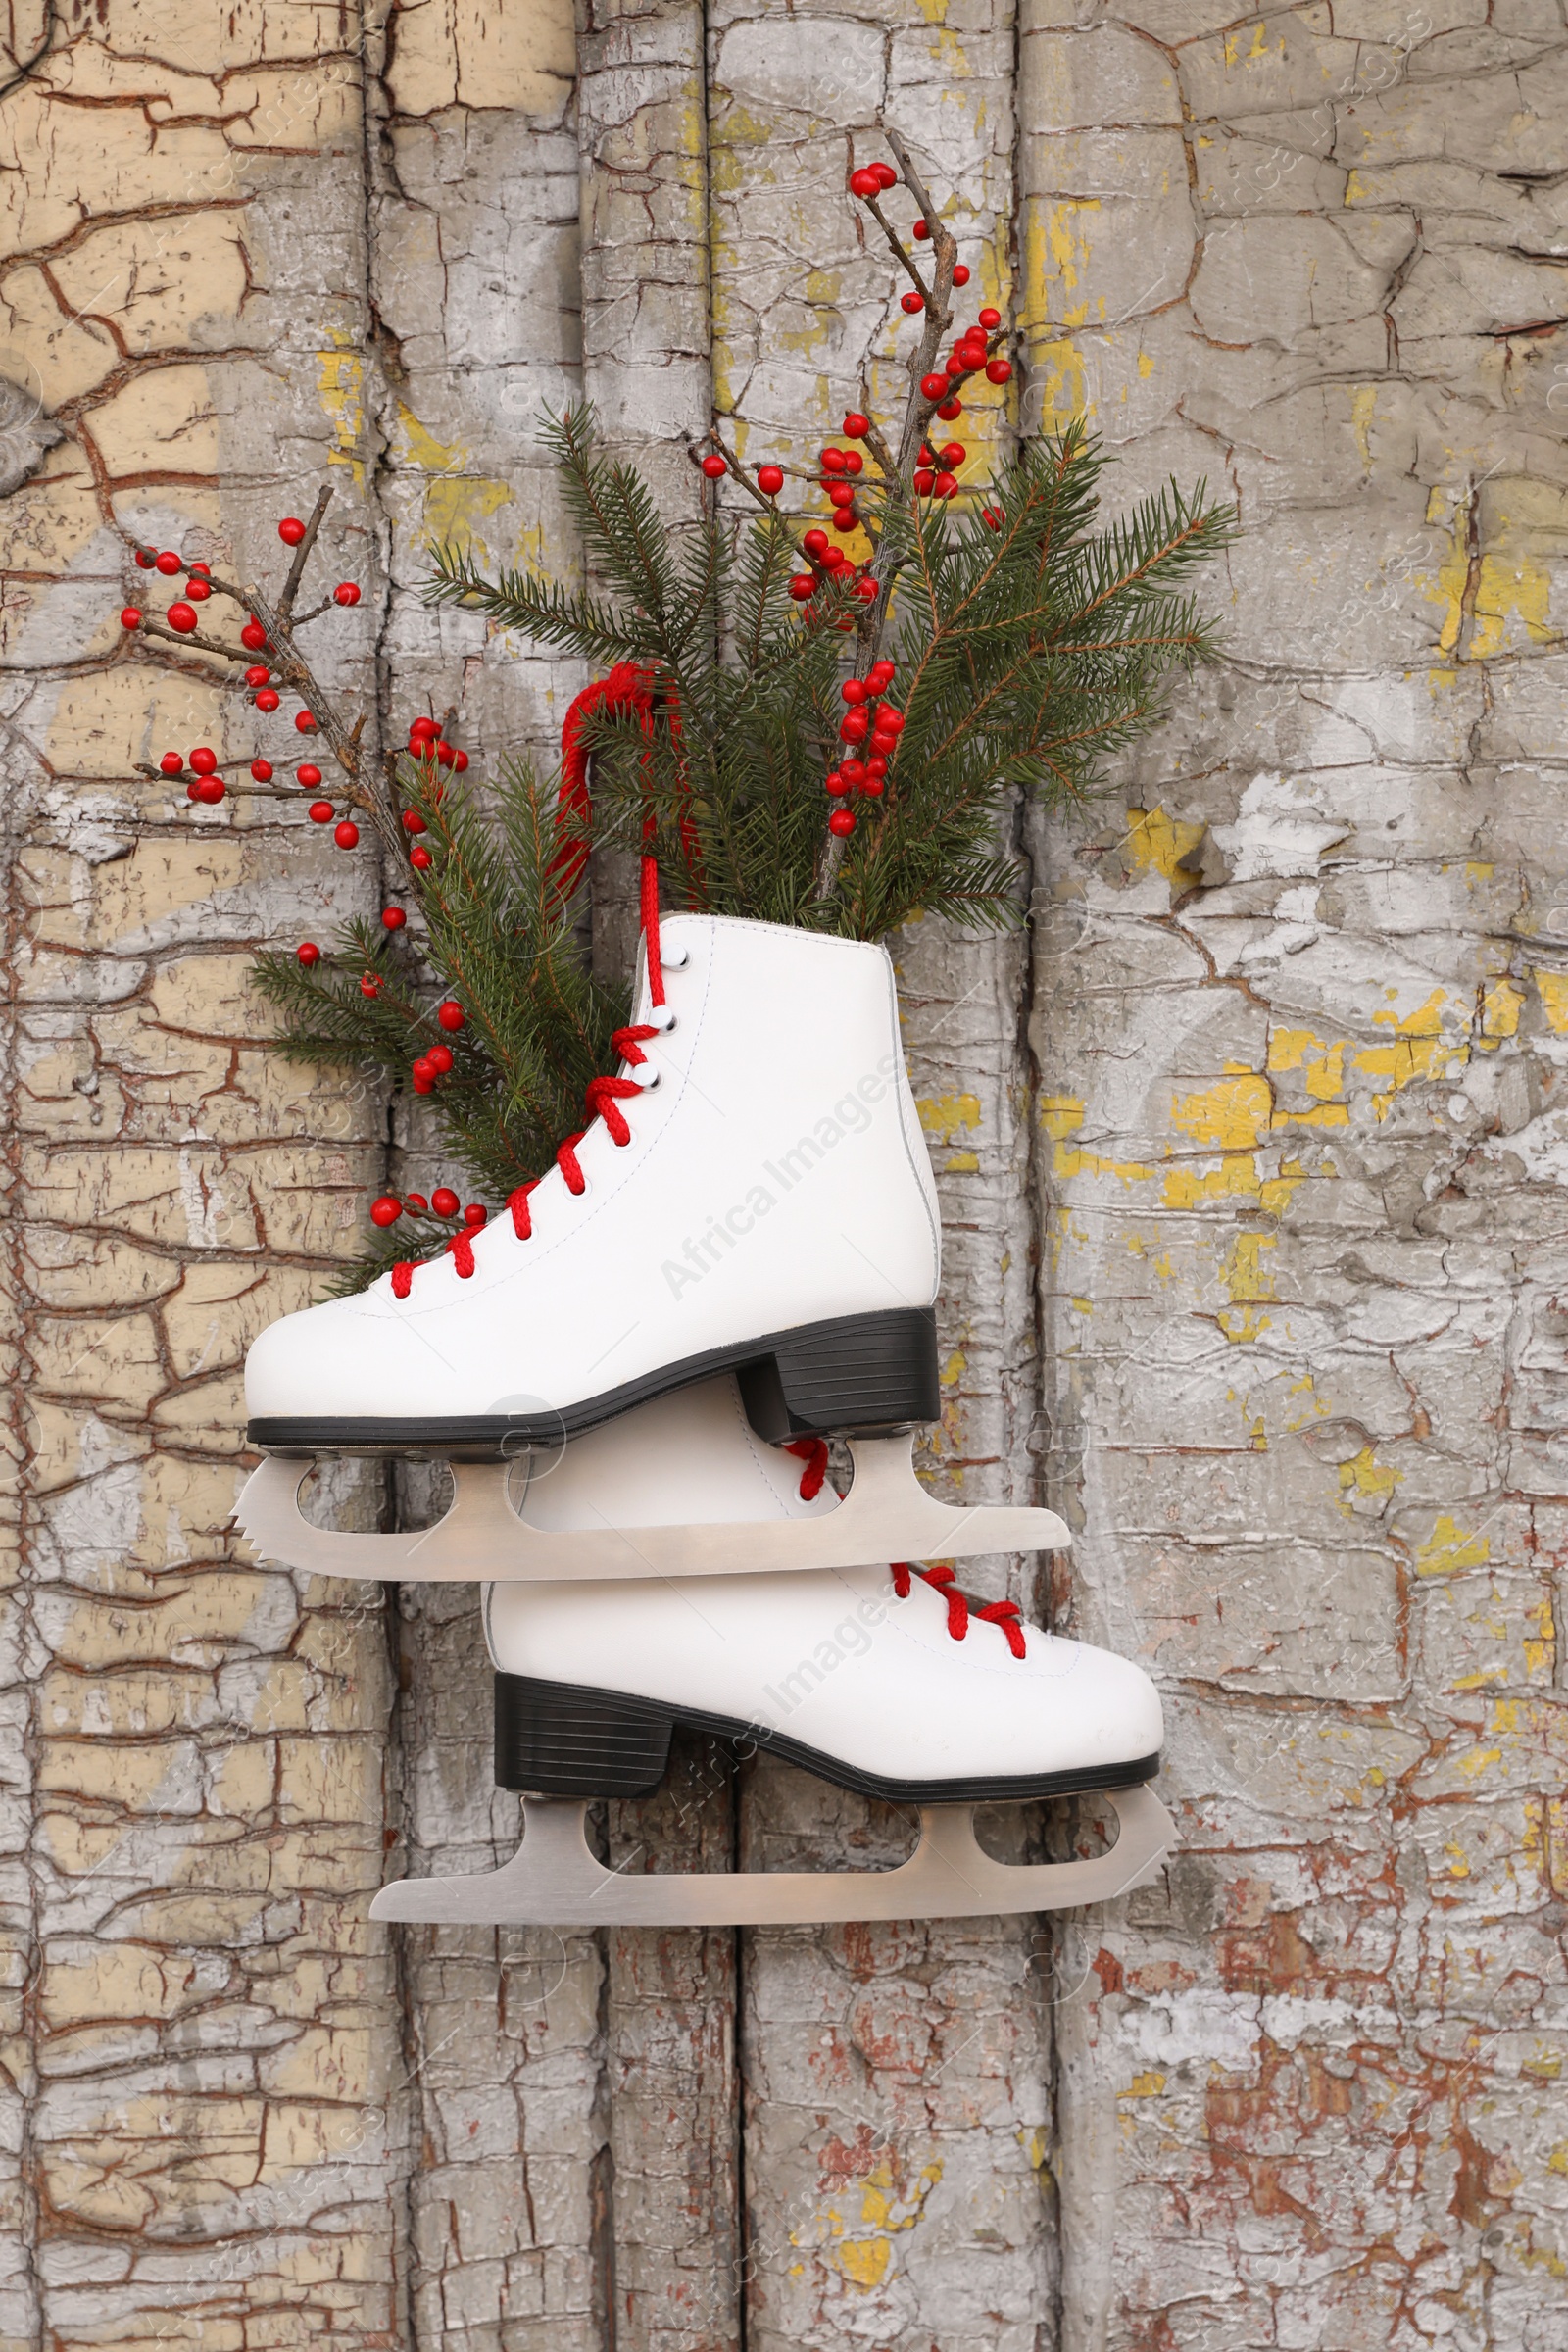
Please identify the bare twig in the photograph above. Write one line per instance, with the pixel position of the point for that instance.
(302, 556)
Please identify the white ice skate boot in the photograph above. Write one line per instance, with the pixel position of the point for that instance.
(884, 1681)
(753, 1194)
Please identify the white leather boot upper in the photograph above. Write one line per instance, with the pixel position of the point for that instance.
(775, 1175)
(832, 1659)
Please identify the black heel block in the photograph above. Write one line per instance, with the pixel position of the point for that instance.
(555, 1739)
(862, 1373)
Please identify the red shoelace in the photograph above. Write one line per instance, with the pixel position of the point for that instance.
(1002, 1614)
(604, 1099)
(812, 1452)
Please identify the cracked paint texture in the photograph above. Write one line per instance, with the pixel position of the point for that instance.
(1252, 1157)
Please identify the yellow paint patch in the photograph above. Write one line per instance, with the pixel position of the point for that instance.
(1250, 1285)
(455, 503)
(1418, 1051)
(1157, 843)
(1364, 1474)
(864, 2261)
(1500, 1008)
(1061, 1116)
(1552, 989)
(1146, 366)
(1540, 1647)
(340, 380)
(1363, 405)
(1143, 2087)
(1251, 45)
(1232, 1116)
(1448, 1549)
(942, 1115)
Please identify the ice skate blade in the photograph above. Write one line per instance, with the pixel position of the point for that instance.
(887, 1515)
(554, 1881)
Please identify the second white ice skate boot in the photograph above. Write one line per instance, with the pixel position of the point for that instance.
(885, 1681)
(751, 1195)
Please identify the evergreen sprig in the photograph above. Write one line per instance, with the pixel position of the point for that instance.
(1028, 650)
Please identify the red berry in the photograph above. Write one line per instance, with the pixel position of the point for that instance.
(841, 822)
(386, 1210)
(145, 557)
(424, 1082)
(369, 985)
(802, 587)
(450, 1015)
(834, 559)
(416, 1201)
(841, 494)
(267, 697)
(957, 364)
(460, 760)
(423, 726)
(291, 530)
(413, 821)
(253, 635)
(856, 425)
(202, 760)
(934, 386)
(960, 273)
(836, 782)
(345, 593)
(886, 174)
(923, 479)
(949, 410)
(876, 767)
(200, 567)
(439, 1058)
(854, 690)
(169, 564)
(308, 952)
(881, 675)
(873, 788)
(393, 917)
(815, 543)
(307, 775)
(992, 516)
(913, 302)
(262, 770)
(209, 789)
(197, 589)
(832, 461)
(304, 722)
(421, 859)
(944, 485)
(193, 790)
(999, 371)
(866, 591)
(715, 467)
(953, 454)
(172, 765)
(890, 723)
(181, 618)
(320, 813)
(864, 183)
(854, 726)
(444, 1201)
(258, 674)
(991, 319)
(770, 480)
(852, 770)
(853, 462)
(922, 231)
(846, 520)
(347, 834)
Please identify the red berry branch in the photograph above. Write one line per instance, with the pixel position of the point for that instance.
(916, 469)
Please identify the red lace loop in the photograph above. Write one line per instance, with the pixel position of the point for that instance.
(812, 1452)
(605, 1096)
(1004, 1614)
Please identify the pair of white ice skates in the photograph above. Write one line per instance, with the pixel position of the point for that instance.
(631, 1372)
